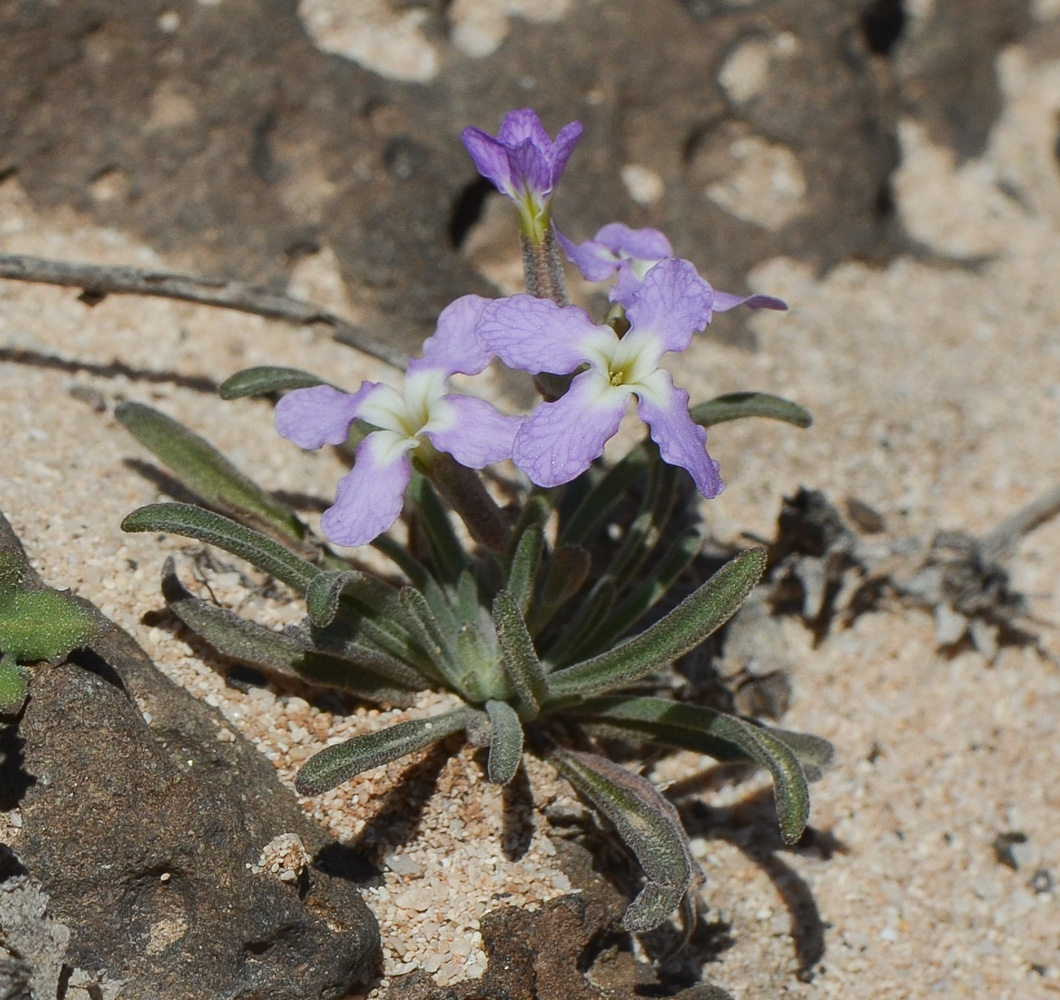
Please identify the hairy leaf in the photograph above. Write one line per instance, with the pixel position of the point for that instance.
(506, 742)
(520, 658)
(44, 625)
(647, 822)
(13, 686)
(197, 522)
(525, 563)
(737, 405)
(266, 379)
(336, 764)
(717, 734)
(205, 471)
(684, 628)
(284, 653)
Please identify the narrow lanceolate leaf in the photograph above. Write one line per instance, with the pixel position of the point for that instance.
(285, 654)
(525, 563)
(597, 503)
(440, 646)
(196, 522)
(684, 628)
(644, 533)
(568, 569)
(506, 742)
(647, 822)
(520, 658)
(265, 379)
(649, 591)
(334, 765)
(205, 471)
(433, 520)
(13, 686)
(570, 646)
(324, 594)
(724, 737)
(737, 405)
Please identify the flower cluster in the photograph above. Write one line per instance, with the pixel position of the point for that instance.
(664, 300)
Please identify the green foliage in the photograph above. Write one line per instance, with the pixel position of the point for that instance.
(541, 624)
(36, 622)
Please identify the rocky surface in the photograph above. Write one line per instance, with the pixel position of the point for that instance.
(144, 818)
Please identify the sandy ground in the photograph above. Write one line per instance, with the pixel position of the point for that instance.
(936, 390)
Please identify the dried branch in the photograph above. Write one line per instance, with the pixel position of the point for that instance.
(98, 281)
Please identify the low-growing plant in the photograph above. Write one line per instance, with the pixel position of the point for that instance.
(546, 617)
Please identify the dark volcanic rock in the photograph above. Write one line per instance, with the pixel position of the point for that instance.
(228, 138)
(142, 825)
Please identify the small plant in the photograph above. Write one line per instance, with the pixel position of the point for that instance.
(37, 623)
(547, 623)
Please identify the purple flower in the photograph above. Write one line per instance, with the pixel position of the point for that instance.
(632, 253)
(559, 440)
(422, 418)
(524, 163)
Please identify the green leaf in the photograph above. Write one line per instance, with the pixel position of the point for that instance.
(13, 686)
(737, 405)
(717, 734)
(684, 628)
(205, 471)
(439, 645)
(286, 654)
(568, 569)
(597, 503)
(44, 625)
(323, 596)
(506, 742)
(520, 658)
(197, 522)
(646, 530)
(433, 519)
(336, 764)
(647, 822)
(655, 585)
(266, 379)
(568, 645)
(525, 562)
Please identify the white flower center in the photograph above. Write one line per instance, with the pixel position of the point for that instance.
(403, 419)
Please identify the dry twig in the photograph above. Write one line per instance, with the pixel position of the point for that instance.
(97, 281)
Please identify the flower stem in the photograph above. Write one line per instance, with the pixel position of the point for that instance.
(543, 268)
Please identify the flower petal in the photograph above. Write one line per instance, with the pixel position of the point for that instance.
(531, 169)
(454, 346)
(673, 302)
(559, 440)
(664, 408)
(724, 301)
(639, 244)
(478, 435)
(535, 335)
(369, 499)
(520, 125)
(566, 139)
(319, 415)
(595, 261)
(490, 158)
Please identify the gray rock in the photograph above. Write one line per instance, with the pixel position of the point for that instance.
(32, 944)
(144, 834)
(233, 137)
